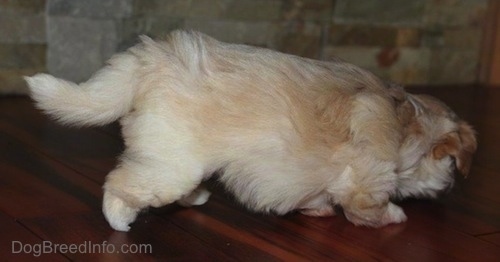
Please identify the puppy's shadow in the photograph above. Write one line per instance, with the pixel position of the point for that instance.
(167, 210)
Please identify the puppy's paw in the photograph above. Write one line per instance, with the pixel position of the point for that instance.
(118, 214)
(393, 215)
(376, 216)
(319, 212)
(198, 197)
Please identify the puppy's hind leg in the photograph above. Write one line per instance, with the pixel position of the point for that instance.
(118, 212)
(159, 167)
(143, 181)
(197, 197)
(326, 211)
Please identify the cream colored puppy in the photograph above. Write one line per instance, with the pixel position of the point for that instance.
(287, 133)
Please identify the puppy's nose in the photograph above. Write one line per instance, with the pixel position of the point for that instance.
(449, 187)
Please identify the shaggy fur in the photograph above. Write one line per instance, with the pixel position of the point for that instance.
(287, 133)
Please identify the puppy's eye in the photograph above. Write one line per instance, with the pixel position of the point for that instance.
(453, 161)
(453, 164)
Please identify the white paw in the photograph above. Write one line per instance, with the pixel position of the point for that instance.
(198, 197)
(118, 214)
(393, 215)
(319, 212)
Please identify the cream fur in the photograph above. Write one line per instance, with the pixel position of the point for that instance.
(288, 133)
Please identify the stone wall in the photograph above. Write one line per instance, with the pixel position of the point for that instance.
(414, 41)
(22, 42)
(411, 41)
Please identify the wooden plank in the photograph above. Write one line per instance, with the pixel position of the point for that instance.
(239, 244)
(33, 185)
(151, 239)
(19, 244)
(421, 238)
(492, 238)
(489, 50)
(482, 183)
(87, 150)
(494, 48)
(334, 238)
(272, 230)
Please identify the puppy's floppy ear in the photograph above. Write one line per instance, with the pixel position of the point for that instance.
(396, 91)
(460, 145)
(469, 146)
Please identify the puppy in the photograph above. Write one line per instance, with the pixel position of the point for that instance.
(287, 133)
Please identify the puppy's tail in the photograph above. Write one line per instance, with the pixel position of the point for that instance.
(104, 98)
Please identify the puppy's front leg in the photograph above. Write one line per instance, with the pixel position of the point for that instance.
(368, 210)
(370, 179)
(365, 197)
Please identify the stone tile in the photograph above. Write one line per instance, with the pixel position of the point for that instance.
(252, 33)
(393, 12)
(153, 26)
(391, 38)
(403, 65)
(412, 67)
(388, 56)
(433, 37)
(209, 9)
(409, 37)
(20, 28)
(17, 56)
(22, 6)
(367, 35)
(455, 37)
(362, 56)
(362, 35)
(13, 82)
(90, 8)
(79, 46)
(171, 8)
(452, 66)
(301, 45)
(255, 10)
(300, 38)
(455, 12)
(308, 10)
(463, 38)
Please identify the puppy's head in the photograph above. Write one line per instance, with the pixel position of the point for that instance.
(436, 144)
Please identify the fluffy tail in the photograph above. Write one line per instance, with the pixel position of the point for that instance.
(104, 98)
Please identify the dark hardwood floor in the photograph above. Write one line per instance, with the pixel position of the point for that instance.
(50, 194)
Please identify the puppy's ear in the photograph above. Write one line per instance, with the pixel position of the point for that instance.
(396, 91)
(460, 145)
(469, 146)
